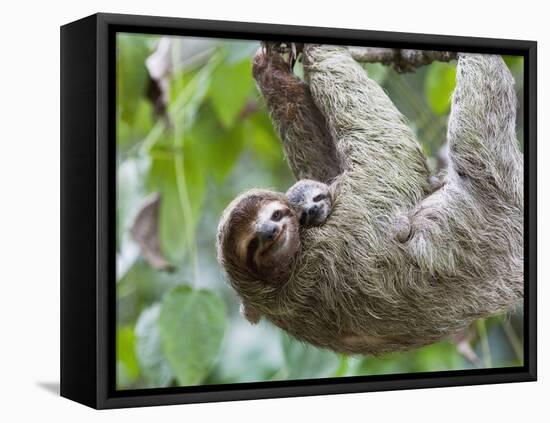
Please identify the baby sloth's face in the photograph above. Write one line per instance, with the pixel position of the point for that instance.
(311, 201)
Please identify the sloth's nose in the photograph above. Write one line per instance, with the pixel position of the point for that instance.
(268, 231)
(313, 210)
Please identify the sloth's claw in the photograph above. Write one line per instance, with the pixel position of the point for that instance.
(402, 228)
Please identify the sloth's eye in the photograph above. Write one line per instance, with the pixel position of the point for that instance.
(319, 197)
(277, 215)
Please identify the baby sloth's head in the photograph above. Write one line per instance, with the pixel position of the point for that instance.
(311, 201)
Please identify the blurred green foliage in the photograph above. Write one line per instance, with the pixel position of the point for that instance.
(214, 141)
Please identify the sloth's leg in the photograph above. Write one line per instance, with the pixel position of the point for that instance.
(307, 143)
(475, 222)
(481, 133)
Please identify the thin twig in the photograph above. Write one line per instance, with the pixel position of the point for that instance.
(181, 185)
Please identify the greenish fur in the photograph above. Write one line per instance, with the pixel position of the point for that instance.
(355, 286)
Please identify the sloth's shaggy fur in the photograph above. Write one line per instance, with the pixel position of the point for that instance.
(356, 287)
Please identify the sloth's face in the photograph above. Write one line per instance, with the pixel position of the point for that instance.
(311, 200)
(272, 240)
(316, 207)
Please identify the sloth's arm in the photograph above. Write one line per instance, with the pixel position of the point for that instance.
(361, 117)
(376, 146)
(307, 143)
(481, 134)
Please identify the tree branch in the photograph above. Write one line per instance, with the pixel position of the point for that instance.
(402, 60)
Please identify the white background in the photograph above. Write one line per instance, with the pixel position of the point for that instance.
(29, 235)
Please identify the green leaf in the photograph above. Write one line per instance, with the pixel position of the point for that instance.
(514, 63)
(229, 89)
(377, 72)
(142, 286)
(304, 361)
(131, 73)
(172, 229)
(127, 366)
(263, 140)
(191, 324)
(439, 86)
(163, 179)
(216, 148)
(188, 90)
(155, 369)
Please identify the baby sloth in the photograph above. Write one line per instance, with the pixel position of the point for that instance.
(311, 202)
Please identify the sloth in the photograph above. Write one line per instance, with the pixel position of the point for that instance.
(356, 284)
(310, 201)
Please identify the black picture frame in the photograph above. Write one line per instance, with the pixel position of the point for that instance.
(88, 210)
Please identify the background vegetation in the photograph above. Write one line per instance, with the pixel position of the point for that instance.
(206, 142)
